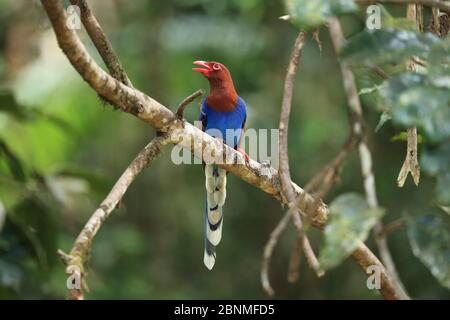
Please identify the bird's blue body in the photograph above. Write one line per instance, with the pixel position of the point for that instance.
(216, 123)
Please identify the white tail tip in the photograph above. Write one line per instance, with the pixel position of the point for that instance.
(209, 260)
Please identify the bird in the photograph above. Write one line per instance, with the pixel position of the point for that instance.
(222, 109)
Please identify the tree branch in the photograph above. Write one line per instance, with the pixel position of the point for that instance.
(186, 101)
(101, 42)
(365, 156)
(284, 172)
(79, 255)
(394, 226)
(321, 183)
(411, 164)
(365, 258)
(435, 23)
(268, 250)
(162, 119)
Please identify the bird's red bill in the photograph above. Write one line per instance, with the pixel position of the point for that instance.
(206, 68)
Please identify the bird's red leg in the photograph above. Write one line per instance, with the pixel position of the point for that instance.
(241, 150)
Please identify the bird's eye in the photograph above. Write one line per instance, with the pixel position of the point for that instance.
(216, 66)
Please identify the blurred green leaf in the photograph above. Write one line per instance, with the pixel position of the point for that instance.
(414, 101)
(307, 14)
(386, 46)
(55, 120)
(403, 136)
(351, 221)
(13, 162)
(430, 241)
(9, 105)
(437, 163)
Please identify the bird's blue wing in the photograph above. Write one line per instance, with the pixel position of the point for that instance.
(218, 122)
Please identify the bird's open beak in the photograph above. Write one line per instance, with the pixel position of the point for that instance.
(206, 68)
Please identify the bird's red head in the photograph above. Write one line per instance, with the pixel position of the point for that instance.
(212, 69)
(222, 95)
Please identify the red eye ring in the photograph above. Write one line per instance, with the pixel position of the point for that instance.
(216, 66)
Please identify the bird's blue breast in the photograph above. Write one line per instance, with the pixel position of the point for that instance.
(225, 125)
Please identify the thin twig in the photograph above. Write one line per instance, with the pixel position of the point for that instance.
(435, 22)
(319, 185)
(316, 38)
(268, 250)
(79, 255)
(440, 22)
(284, 172)
(294, 262)
(302, 245)
(411, 164)
(365, 156)
(365, 258)
(380, 72)
(393, 226)
(321, 181)
(186, 101)
(101, 42)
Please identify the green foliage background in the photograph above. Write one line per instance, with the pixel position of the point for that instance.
(61, 150)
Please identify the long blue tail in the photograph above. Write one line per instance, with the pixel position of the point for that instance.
(215, 183)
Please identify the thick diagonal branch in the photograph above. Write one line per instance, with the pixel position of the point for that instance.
(101, 42)
(365, 156)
